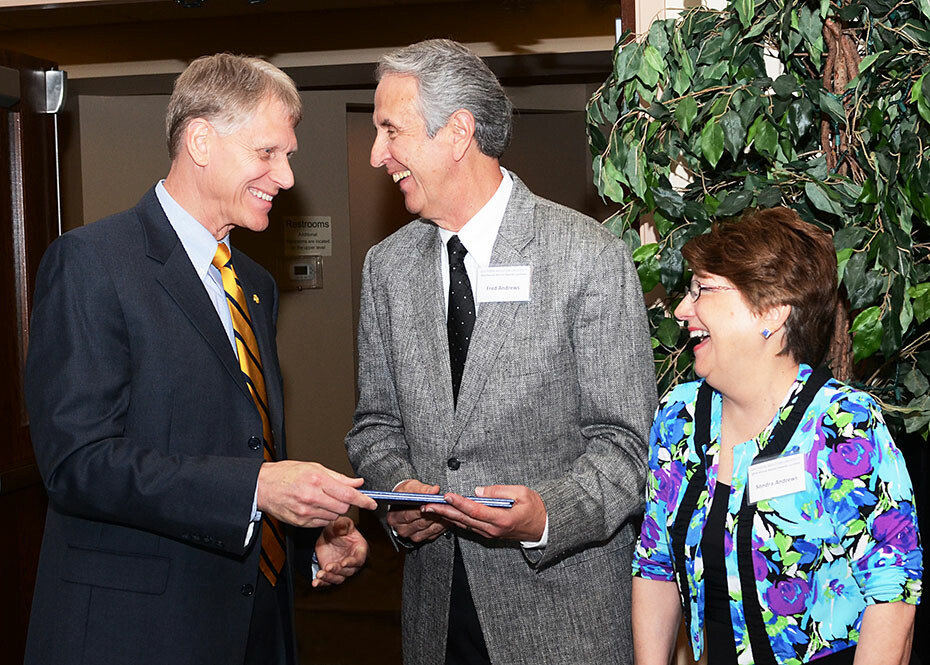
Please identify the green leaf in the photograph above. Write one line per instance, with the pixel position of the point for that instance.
(769, 197)
(609, 182)
(614, 224)
(867, 333)
(653, 58)
(669, 201)
(924, 7)
(849, 236)
(634, 170)
(685, 113)
(733, 203)
(811, 27)
(921, 95)
(745, 9)
(916, 382)
(800, 118)
(862, 285)
(711, 142)
(892, 332)
(842, 257)
(645, 252)
(887, 251)
(763, 136)
(920, 295)
(672, 267)
(734, 133)
(759, 26)
(868, 60)
(627, 61)
(785, 86)
(647, 266)
(658, 37)
(668, 331)
(919, 414)
(820, 200)
(832, 107)
(869, 192)
(632, 239)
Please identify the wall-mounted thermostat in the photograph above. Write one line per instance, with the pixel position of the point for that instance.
(303, 272)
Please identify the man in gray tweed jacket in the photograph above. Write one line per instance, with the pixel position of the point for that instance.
(545, 398)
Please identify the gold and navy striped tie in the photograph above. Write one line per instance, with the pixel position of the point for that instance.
(272, 554)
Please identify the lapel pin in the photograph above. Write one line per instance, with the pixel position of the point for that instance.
(255, 298)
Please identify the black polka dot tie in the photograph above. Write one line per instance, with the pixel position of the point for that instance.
(461, 319)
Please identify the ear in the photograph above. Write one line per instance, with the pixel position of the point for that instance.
(461, 126)
(197, 139)
(774, 318)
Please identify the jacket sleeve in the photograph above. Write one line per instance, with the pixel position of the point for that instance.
(376, 444)
(868, 493)
(603, 488)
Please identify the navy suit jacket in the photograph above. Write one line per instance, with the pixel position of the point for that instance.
(143, 429)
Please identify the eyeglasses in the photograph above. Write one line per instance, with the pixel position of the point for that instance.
(695, 288)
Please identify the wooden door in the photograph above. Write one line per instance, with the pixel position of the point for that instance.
(29, 221)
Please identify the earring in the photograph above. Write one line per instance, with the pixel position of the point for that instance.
(766, 333)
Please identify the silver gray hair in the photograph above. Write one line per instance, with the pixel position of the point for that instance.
(450, 78)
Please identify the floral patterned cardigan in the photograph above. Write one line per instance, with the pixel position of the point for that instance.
(819, 556)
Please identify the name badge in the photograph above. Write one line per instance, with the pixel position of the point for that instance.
(776, 477)
(504, 284)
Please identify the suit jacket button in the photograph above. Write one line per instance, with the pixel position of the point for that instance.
(246, 590)
(447, 534)
(255, 443)
(453, 463)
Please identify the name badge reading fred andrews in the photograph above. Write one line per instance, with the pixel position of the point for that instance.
(776, 477)
(504, 284)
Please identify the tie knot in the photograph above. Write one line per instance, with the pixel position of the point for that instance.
(456, 249)
(222, 256)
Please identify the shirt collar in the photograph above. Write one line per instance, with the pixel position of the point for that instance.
(199, 243)
(480, 231)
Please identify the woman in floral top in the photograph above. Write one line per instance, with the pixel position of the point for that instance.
(830, 566)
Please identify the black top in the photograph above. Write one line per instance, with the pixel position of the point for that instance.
(721, 644)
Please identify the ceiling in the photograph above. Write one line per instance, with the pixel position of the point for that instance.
(41, 14)
(91, 37)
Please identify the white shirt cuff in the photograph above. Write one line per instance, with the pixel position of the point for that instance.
(539, 544)
(256, 517)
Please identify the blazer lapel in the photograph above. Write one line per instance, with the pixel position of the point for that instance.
(178, 278)
(430, 322)
(495, 319)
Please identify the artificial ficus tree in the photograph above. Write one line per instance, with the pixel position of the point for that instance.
(820, 106)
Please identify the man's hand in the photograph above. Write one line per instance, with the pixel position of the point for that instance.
(411, 523)
(307, 494)
(340, 550)
(525, 521)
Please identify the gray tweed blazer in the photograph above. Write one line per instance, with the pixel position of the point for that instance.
(558, 394)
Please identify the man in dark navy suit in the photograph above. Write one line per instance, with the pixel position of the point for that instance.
(154, 394)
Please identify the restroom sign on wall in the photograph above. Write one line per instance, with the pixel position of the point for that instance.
(308, 236)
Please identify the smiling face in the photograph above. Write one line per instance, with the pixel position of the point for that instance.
(727, 330)
(247, 168)
(417, 163)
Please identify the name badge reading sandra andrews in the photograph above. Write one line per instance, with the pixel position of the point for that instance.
(504, 284)
(776, 477)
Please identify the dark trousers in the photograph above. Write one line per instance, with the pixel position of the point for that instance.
(269, 631)
(465, 642)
